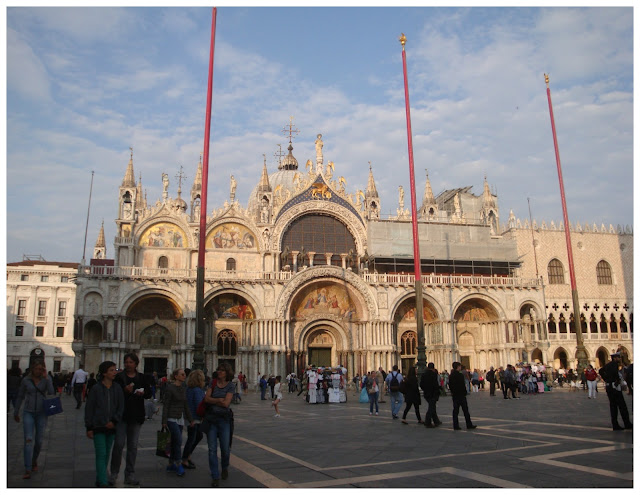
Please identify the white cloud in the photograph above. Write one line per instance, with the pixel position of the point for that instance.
(26, 74)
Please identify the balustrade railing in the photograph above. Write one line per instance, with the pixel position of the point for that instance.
(371, 278)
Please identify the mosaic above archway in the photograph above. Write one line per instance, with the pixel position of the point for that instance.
(325, 298)
(476, 310)
(407, 312)
(230, 306)
(163, 234)
(231, 236)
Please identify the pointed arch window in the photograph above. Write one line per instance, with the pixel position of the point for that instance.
(603, 273)
(555, 272)
(593, 324)
(551, 325)
(227, 343)
(409, 343)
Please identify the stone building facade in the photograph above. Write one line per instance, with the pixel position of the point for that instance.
(310, 273)
(41, 299)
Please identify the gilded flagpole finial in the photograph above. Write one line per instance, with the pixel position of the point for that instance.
(402, 39)
(546, 79)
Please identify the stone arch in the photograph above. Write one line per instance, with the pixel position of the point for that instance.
(339, 212)
(134, 295)
(486, 301)
(323, 327)
(154, 308)
(166, 215)
(93, 303)
(561, 358)
(536, 356)
(326, 273)
(404, 318)
(601, 357)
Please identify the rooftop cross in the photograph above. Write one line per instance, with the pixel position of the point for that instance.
(180, 176)
(279, 154)
(291, 131)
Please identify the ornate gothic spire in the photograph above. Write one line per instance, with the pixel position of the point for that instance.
(264, 185)
(487, 198)
(129, 177)
(100, 243)
(139, 191)
(197, 182)
(371, 192)
(428, 198)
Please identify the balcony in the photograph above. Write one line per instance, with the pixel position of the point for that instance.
(376, 279)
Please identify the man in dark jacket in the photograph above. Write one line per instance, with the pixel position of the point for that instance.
(430, 385)
(611, 375)
(459, 396)
(136, 389)
(491, 378)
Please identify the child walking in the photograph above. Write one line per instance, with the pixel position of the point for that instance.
(277, 395)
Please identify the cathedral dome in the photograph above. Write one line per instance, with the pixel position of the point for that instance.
(282, 177)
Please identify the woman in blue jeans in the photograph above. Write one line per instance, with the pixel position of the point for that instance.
(217, 422)
(195, 394)
(32, 391)
(175, 411)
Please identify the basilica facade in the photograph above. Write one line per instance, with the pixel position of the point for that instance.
(309, 272)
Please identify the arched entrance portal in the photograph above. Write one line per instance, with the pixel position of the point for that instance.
(476, 325)
(155, 321)
(536, 356)
(560, 359)
(407, 334)
(602, 357)
(321, 348)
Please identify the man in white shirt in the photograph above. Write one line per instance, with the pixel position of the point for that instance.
(78, 383)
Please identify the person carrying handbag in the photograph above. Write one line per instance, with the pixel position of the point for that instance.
(217, 423)
(32, 392)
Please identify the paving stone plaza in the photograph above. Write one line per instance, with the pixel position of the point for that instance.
(558, 439)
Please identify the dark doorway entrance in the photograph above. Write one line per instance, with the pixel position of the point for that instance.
(406, 364)
(465, 361)
(159, 365)
(320, 356)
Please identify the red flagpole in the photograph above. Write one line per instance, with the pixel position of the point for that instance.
(198, 355)
(422, 358)
(581, 353)
(205, 158)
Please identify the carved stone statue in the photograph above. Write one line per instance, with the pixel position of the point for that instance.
(401, 197)
(319, 145)
(234, 184)
(165, 186)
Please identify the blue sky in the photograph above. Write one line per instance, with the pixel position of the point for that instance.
(85, 84)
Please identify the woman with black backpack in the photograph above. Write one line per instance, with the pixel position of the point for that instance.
(409, 388)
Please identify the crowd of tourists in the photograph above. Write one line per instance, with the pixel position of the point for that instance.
(116, 406)
(118, 401)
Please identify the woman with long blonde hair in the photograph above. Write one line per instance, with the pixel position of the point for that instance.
(195, 394)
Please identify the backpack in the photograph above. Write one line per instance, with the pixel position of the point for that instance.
(394, 385)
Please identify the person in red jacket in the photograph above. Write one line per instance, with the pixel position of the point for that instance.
(592, 380)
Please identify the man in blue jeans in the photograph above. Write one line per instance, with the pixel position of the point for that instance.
(393, 381)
